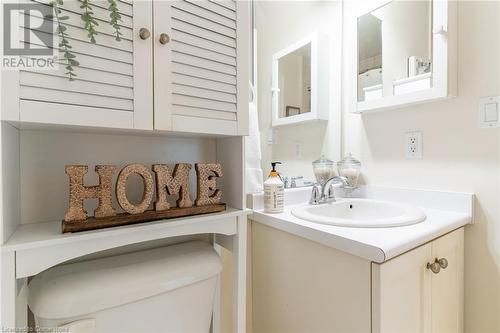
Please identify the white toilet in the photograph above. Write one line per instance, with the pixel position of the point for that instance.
(170, 289)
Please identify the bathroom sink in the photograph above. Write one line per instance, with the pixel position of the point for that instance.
(361, 213)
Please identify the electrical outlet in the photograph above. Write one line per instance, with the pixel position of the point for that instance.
(271, 136)
(414, 144)
(297, 151)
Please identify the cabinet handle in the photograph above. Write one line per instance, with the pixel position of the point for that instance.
(434, 267)
(144, 33)
(443, 263)
(164, 38)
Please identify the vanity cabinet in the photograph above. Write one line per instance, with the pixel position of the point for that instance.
(301, 285)
(180, 66)
(408, 296)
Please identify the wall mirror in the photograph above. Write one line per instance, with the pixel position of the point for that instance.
(294, 82)
(404, 52)
(300, 92)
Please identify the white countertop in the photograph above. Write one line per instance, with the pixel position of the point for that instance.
(446, 211)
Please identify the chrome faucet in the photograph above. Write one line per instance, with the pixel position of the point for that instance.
(293, 183)
(325, 193)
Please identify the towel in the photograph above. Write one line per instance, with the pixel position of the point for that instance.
(253, 155)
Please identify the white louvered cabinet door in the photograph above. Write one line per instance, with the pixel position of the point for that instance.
(114, 85)
(201, 72)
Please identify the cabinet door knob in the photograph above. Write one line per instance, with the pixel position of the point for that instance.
(443, 263)
(434, 267)
(164, 38)
(144, 33)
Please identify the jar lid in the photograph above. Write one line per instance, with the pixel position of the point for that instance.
(349, 159)
(323, 160)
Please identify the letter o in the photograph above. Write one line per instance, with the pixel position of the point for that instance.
(121, 188)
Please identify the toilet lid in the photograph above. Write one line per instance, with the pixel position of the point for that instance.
(87, 287)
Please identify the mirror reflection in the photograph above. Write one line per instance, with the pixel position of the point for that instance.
(395, 50)
(294, 82)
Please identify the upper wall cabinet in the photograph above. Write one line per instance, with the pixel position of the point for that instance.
(180, 66)
(201, 75)
(402, 52)
(300, 77)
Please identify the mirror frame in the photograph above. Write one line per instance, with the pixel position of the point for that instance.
(319, 81)
(444, 62)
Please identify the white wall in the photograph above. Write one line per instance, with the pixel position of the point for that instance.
(280, 24)
(458, 156)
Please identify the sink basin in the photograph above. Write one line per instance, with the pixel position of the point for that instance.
(361, 213)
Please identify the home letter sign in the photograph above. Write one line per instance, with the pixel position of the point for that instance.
(121, 188)
(78, 192)
(168, 183)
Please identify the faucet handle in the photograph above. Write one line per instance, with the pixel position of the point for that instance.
(285, 181)
(315, 195)
(331, 192)
(293, 183)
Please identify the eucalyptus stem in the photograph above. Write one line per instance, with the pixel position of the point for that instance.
(90, 21)
(64, 45)
(115, 17)
(91, 24)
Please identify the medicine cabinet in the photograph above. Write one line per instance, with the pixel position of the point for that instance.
(300, 86)
(401, 52)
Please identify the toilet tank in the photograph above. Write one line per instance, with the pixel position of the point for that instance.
(169, 289)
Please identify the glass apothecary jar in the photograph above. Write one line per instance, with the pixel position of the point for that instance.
(323, 169)
(349, 167)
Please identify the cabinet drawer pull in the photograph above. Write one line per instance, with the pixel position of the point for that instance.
(443, 263)
(164, 38)
(434, 267)
(144, 33)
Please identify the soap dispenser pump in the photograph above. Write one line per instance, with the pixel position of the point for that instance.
(274, 191)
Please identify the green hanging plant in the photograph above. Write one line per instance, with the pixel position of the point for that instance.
(68, 56)
(90, 25)
(115, 17)
(89, 19)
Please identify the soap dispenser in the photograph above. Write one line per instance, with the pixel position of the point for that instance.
(274, 192)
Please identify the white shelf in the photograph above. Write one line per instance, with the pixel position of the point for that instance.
(64, 128)
(39, 246)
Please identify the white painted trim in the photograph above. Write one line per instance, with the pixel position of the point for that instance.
(9, 86)
(143, 66)
(243, 40)
(162, 64)
(300, 118)
(237, 244)
(406, 80)
(8, 290)
(240, 278)
(335, 85)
